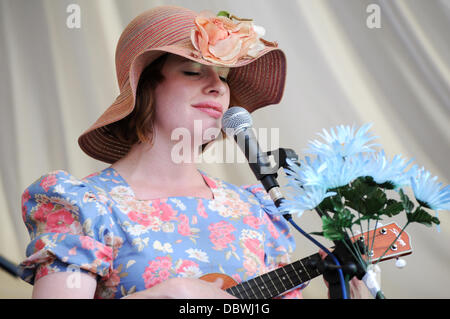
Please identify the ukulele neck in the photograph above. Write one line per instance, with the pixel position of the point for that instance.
(278, 281)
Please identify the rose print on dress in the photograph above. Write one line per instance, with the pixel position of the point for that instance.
(48, 181)
(187, 268)
(157, 271)
(252, 243)
(221, 234)
(228, 203)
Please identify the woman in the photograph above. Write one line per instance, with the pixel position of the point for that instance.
(148, 226)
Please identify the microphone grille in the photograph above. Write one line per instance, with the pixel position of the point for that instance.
(236, 118)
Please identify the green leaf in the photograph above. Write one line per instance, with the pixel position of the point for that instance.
(223, 14)
(387, 185)
(392, 208)
(422, 217)
(366, 217)
(357, 205)
(357, 194)
(338, 206)
(331, 229)
(407, 204)
(365, 185)
(345, 218)
(375, 201)
(326, 205)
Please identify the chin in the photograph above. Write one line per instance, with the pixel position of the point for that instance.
(209, 127)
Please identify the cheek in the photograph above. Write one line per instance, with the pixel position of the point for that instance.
(173, 98)
(172, 105)
(227, 99)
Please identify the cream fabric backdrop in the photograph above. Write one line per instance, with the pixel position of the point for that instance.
(55, 81)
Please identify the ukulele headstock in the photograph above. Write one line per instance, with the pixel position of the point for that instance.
(382, 238)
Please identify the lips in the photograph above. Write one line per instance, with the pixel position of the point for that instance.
(213, 109)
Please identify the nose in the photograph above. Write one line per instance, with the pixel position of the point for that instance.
(215, 85)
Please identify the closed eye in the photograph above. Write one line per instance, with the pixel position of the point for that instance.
(189, 73)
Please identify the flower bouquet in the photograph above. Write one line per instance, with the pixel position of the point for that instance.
(352, 186)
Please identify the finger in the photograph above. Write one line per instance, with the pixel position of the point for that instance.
(322, 254)
(218, 282)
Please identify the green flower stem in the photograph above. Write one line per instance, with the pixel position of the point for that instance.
(368, 238)
(321, 212)
(350, 250)
(359, 222)
(357, 257)
(356, 246)
(389, 247)
(373, 241)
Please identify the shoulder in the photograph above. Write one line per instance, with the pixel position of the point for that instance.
(59, 183)
(56, 183)
(60, 189)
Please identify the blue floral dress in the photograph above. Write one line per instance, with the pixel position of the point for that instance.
(96, 225)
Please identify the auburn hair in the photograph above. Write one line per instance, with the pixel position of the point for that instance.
(137, 127)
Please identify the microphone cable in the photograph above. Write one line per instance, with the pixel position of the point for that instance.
(315, 242)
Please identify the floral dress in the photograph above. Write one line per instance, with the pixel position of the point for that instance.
(97, 226)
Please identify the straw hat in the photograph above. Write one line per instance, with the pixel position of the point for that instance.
(256, 78)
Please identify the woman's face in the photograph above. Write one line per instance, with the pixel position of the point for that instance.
(190, 92)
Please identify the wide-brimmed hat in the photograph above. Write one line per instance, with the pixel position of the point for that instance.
(256, 78)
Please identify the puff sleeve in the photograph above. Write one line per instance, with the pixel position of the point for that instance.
(69, 228)
(279, 244)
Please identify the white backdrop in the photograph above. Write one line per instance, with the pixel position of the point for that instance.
(55, 81)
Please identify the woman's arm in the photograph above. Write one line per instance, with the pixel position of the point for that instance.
(183, 288)
(61, 285)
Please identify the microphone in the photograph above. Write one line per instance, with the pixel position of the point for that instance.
(238, 123)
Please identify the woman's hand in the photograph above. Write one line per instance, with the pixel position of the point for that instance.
(358, 289)
(184, 288)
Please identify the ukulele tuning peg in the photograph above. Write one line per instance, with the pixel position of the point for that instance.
(400, 263)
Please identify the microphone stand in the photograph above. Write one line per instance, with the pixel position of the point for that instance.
(9, 267)
(332, 270)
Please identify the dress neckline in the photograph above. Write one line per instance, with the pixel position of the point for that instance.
(209, 181)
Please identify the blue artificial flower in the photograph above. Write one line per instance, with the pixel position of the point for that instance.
(343, 142)
(428, 192)
(330, 172)
(308, 173)
(306, 198)
(394, 173)
(342, 171)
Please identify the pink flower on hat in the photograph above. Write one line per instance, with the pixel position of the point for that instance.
(221, 40)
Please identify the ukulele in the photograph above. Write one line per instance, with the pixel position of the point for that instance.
(283, 279)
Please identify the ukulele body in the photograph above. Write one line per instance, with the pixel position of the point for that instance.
(228, 282)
